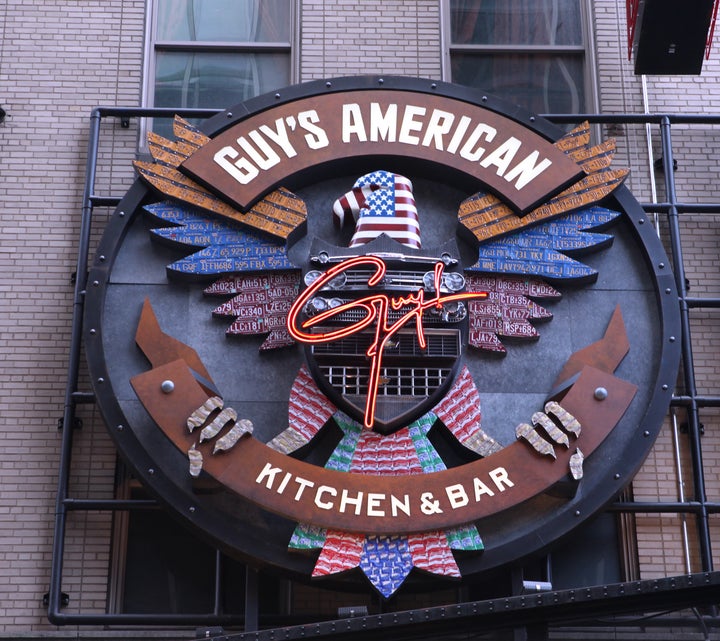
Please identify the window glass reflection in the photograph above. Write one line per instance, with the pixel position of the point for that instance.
(201, 79)
(214, 80)
(516, 22)
(541, 83)
(224, 20)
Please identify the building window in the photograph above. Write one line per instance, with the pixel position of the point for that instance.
(530, 52)
(216, 53)
(159, 567)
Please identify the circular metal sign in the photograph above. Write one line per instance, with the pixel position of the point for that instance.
(483, 382)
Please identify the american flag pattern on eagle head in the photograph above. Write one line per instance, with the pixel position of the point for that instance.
(381, 203)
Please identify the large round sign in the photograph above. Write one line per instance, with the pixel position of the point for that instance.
(396, 323)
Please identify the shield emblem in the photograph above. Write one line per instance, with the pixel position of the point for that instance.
(388, 326)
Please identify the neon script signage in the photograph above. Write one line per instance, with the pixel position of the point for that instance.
(376, 308)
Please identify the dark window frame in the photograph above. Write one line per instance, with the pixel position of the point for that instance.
(584, 52)
(155, 46)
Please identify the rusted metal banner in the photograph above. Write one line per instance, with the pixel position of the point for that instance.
(380, 504)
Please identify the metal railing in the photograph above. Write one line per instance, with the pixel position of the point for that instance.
(690, 400)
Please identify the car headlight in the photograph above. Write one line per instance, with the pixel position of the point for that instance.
(311, 277)
(454, 281)
(315, 306)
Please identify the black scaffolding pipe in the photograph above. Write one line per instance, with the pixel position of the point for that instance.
(685, 591)
(63, 502)
(68, 420)
(583, 606)
(688, 365)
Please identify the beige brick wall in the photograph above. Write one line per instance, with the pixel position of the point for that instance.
(58, 60)
(61, 58)
(662, 539)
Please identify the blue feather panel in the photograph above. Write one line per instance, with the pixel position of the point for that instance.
(223, 248)
(541, 250)
(386, 561)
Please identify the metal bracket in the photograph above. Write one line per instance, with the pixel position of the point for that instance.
(77, 423)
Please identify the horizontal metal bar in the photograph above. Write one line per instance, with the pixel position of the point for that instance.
(652, 620)
(104, 201)
(699, 401)
(110, 505)
(702, 302)
(155, 112)
(159, 112)
(677, 119)
(83, 398)
(664, 507)
(697, 208)
(682, 208)
(146, 620)
(551, 607)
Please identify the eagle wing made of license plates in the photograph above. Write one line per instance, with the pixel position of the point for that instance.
(393, 343)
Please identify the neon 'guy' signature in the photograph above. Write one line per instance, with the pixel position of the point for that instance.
(376, 308)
